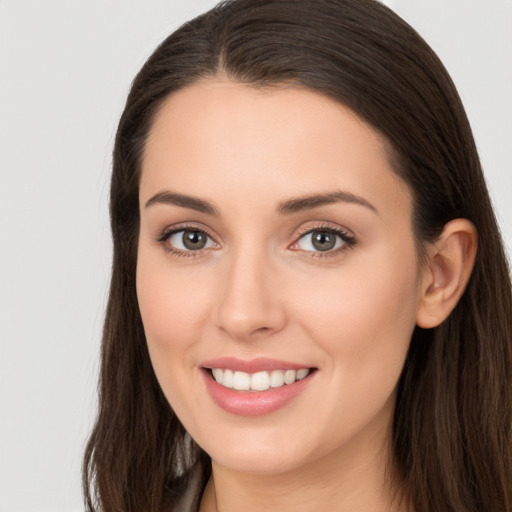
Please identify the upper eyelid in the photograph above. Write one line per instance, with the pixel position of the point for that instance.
(345, 235)
(176, 228)
(326, 226)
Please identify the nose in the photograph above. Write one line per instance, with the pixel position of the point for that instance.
(250, 304)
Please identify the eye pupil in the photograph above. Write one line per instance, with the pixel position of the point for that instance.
(323, 240)
(194, 240)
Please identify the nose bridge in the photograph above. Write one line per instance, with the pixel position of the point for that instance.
(249, 303)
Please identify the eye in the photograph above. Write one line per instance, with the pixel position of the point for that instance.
(323, 240)
(187, 240)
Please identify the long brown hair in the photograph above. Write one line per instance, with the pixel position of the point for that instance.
(453, 420)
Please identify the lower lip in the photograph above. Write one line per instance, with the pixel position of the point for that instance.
(254, 403)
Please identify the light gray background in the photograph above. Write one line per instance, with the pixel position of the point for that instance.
(65, 68)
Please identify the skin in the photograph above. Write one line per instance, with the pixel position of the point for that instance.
(260, 289)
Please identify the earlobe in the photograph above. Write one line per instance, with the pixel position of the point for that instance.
(446, 272)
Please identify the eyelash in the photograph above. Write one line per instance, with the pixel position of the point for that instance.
(165, 236)
(348, 241)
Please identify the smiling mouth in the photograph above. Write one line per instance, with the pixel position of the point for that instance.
(259, 381)
(255, 387)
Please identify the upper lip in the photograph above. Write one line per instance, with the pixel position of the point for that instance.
(253, 365)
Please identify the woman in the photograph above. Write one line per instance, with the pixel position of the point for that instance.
(310, 305)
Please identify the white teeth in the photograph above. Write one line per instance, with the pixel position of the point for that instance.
(227, 378)
(260, 381)
(302, 373)
(289, 376)
(242, 381)
(277, 378)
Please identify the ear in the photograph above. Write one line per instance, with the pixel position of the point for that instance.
(446, 273)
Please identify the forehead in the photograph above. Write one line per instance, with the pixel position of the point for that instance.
(217, 136)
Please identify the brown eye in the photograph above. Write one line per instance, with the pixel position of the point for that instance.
(194, 240)
(320, 240)
(190, 240)
(323, 240)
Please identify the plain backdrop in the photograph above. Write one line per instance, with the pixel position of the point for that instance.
(65, 69)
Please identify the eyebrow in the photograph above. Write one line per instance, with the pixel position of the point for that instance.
(309, 202)
(194, 203)
(287, 207)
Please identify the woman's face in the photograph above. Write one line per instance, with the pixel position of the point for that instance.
(276, 252)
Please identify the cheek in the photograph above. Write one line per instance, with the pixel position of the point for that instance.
(172, 296)
(169, 306)
(174, 312)
(363, 317)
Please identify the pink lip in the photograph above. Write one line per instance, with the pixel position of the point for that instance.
(253, 403)
(259, 364)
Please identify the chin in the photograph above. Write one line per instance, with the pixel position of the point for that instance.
(258, 463)
(261, 455)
